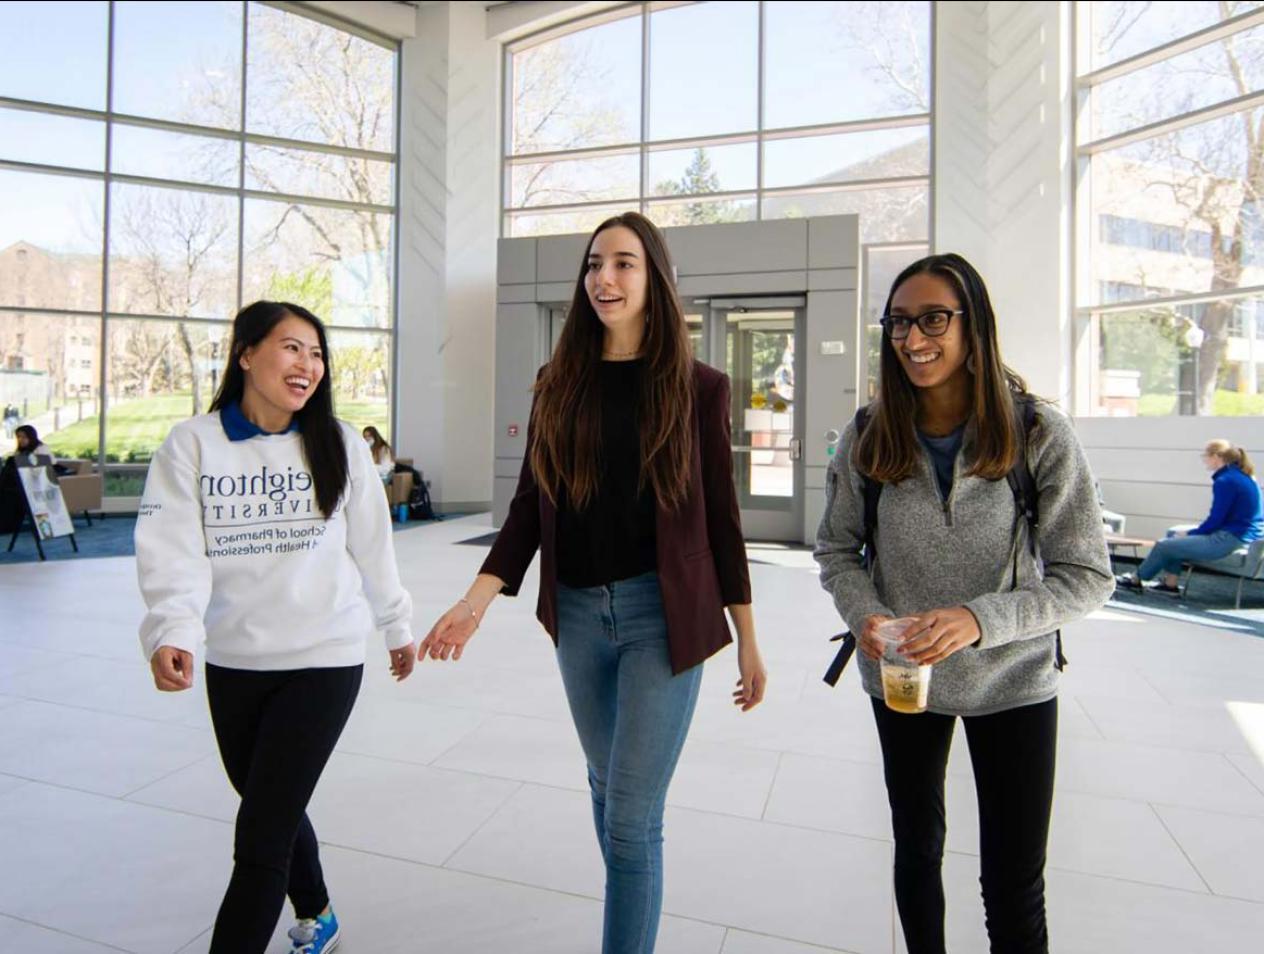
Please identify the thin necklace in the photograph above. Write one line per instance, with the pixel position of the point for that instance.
(620, 354)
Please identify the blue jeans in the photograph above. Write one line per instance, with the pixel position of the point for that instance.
(632, 716)
(1168, 555)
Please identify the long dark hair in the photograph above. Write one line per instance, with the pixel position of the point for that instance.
(323, 446)
(567, 419)
(888, 449)
(32, 436)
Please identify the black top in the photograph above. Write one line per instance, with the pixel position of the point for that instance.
(613, 537)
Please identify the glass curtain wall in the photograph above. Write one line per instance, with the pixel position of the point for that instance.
(1170, 194)
(726, 112)
(197, 157)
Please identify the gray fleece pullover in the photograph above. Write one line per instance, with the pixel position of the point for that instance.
(935, 553)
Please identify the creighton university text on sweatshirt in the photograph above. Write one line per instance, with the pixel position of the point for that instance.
(231, 545)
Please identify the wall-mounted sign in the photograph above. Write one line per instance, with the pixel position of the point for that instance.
(833, 347)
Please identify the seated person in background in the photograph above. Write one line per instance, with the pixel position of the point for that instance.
(1235, 519)
(383, 457)
(29, 442)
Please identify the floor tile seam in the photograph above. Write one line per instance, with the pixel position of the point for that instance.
(463, 738)
(1204, 710)
(394, 760)
(167, 775)
(1159, 692)
(57, 930)
(491, 816)
(525, 783)
(125, 797)
(1114, 739)
(889, 841)
(1130, 881)
(1181, 848)
(119, 715)
(772, 787)
(1138, 799)
(1101, 736)
(1178, 749)
(1250, 781)
(535, 783)
(779, 937)
(37, 668)
(1223, 813)
(754, 747)
(599, 898)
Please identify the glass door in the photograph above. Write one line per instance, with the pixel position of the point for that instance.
(761, 361)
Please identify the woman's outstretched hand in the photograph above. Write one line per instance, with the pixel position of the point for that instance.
(448, 636)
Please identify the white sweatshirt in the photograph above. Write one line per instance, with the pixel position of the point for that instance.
(231, 545)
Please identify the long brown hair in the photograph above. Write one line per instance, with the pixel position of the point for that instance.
(566, 423)
(888, 449)
(379, 443)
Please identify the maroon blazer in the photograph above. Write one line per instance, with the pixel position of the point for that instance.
(701, 555)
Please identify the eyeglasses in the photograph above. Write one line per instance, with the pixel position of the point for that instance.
(931, 323)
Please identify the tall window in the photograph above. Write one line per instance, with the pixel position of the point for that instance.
(727, 112)
(196, 157)
(1171, 196)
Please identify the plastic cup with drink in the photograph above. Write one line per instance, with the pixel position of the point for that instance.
(905, 684)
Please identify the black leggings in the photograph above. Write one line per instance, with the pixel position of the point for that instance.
(1012, 753)
(275, 731)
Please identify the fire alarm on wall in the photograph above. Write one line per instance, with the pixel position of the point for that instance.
(513, 430)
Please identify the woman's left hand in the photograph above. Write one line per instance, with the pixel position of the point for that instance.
(939, 633)
(750, 688)
(402, 661)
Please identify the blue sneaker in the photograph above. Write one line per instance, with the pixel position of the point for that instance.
(315, 935)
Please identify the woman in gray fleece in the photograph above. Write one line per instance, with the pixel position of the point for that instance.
(953, 553)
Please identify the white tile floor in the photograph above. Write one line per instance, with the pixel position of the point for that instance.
(455, 818)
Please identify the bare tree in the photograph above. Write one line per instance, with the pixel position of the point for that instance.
(1212, 174)
(172, 264)
(558, 105)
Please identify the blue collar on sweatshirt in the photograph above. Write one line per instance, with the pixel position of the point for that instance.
(239, 428)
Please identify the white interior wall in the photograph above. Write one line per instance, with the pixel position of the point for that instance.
(449, 169)
(1149, 468)
(1002, 182)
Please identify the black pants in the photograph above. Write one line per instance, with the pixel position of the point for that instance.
(1012, 753)
(275, 731)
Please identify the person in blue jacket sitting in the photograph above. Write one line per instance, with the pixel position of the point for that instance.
(1235, 519)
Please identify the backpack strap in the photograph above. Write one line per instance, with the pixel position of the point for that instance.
(871, 490)
(1021, 483)
(1026, 500)
(1023, 487)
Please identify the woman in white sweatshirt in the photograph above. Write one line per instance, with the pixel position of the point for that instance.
(263, 529)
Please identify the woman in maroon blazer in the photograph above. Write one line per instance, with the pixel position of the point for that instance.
(627, 491)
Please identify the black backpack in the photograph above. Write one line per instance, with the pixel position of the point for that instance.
(419, 507)
(1021, 483)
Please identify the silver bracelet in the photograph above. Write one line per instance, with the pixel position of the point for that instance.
(470, 607)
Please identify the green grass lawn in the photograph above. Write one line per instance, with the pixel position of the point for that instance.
(1224, 404)
(360, 414)
(135, 428)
